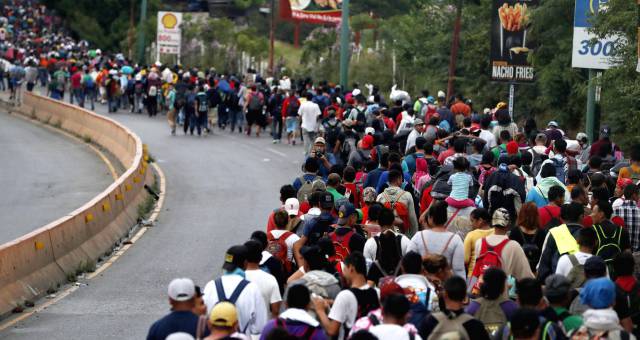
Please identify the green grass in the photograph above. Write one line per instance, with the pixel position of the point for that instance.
(290, 54)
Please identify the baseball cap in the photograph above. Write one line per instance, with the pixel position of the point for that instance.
(180, 336)
(326, 201)
(553, 123)
(292, 206)
(235, 257)
(595, 267)
(500, 218)
(345, 211)
(556, 286)
(355, 92)
(369, 131)
(367, 142)
(431, 100)
(369, 195)
(598, 293)
(223, 314)
(501, 105)
(605, 131)
(418, 121)
(441, 94)
(181, 289)
(512, 148)
(581, 136)
(320, 140)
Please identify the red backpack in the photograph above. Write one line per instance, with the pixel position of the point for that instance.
(341, 245)
(399, 209)
(277, 247)
(489, 256)
(355, 194)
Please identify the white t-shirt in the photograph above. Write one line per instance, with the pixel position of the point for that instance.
(252, 312)
(289, 241)
(564, 263)
(345, 307)
(371, 247)
(267, 284)
(309, 111)
(389, 331)
(488, 137)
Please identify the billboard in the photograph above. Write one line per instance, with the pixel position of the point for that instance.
(510, 48)
(313, 11)
(169, 34)
(588, 50)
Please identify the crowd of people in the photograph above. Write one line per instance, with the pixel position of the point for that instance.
(411, 219)
(427, 219)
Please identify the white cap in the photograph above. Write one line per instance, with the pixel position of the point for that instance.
(441, 94)
(181, 289)
(369, 131)
(292, 206)
(180, 336)
(355, 92)
(486, 110)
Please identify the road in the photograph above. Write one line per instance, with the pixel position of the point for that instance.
(43, 176)
(220, 188)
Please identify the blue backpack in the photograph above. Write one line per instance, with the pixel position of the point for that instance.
(560, 173)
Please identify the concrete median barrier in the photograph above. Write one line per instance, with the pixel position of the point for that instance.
(51, 255)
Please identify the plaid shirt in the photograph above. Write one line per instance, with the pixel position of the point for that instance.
(630, 213)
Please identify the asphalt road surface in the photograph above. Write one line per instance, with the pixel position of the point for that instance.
(220, 188)
(43, 176)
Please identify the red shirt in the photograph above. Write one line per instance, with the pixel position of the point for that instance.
(444, 154)
(76, 80)
(546, 213)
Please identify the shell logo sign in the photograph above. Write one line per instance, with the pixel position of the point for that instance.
(169, 21)
(169, 33)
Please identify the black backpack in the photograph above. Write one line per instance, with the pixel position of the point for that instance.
(367, 300)
(608, 246)
(292, 109)
(531, 249)
(322, 227)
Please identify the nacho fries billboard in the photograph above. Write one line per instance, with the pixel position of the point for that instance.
(316, 11)
(510, 48)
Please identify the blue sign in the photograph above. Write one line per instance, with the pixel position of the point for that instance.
(585, 9)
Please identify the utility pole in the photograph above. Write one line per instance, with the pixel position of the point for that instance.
(454, 50)
(272, 38)
(591, 106)
(141, 35)
(344, 45)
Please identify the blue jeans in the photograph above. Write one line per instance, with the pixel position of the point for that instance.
(90, 95)
(236, 118)
(79, 95)
(276, 127)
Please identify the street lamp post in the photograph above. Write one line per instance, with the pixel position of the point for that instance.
(344, 45)
(141, 35)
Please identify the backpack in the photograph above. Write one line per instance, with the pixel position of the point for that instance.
(485, 173)
(137, 89)
(348, 145)
(277, 247)
(321, 228)
(379, 254)
(448, 324)
(341, 245)
(292, 108)
(536, 164)
(153, 91)
(576, 276)
(361, 120)
(307, 188)
(400, 210)
(491, 314)
(307, 334)
(608, 246)
(88, 82)
(559, 166)
(489, 256)
(255, 103)
(531, 250)
(632, 300)
(367, 300)
(203, 103)
(236, 292)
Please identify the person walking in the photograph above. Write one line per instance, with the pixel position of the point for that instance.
(309, 113)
